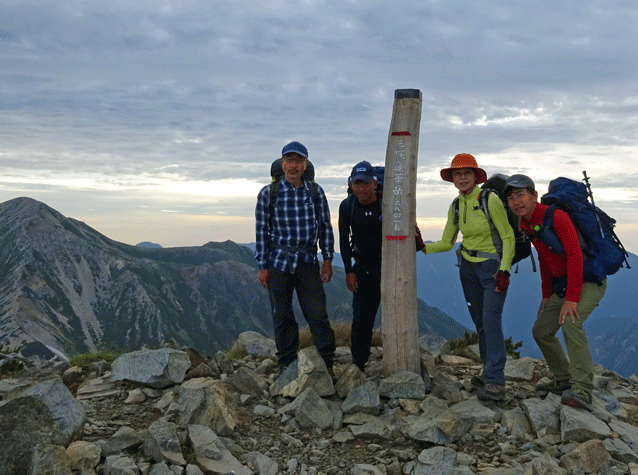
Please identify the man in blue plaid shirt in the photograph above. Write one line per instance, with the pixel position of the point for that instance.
(286, 251)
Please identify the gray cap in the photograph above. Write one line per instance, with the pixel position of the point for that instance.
(519, 181)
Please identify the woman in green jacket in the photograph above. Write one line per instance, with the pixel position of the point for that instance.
(485, 258)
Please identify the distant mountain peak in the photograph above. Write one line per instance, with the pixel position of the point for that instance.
(148, 244)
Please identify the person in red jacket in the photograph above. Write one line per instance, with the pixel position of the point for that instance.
(566, 300)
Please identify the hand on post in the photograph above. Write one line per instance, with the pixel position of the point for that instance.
(420, 245)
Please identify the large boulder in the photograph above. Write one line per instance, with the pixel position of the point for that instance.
(46, 413)
(207, 402)
(154, 368)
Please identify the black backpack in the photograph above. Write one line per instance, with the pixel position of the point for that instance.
(522, 245)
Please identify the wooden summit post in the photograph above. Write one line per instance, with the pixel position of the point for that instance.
(399, 325)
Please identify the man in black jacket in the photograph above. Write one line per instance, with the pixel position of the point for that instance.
(360, 237)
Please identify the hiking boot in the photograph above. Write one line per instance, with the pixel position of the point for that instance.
(578, 398)
(279, 371)
(491, 392)
(556, 387)
(478, 381)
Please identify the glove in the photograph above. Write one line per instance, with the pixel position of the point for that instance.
(502, 281)
(420, 245)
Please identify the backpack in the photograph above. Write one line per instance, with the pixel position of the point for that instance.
(522, 245)
(603, 253)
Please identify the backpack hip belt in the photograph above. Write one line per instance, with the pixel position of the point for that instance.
(486, 255)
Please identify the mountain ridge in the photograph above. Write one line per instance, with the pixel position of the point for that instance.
(69, 287)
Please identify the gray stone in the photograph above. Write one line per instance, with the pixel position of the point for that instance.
(610, 403)
(135, 396)
(223, 363)
(364, 398)
(627, 432)
(160, 469)
(154, 368)
(124, 439)
(264, 411)
(543, 464)
(623, 394)
(449, 391)
(205, 401)
(521, 369)
(247, 381)
(46, 413)
(120, 465)
(162, 444)
(205, 442)
(350, 379)
(165, 401)
(309, 410)
(287, 376)
(403, 384)
(516, 423)
(227, 463)
(312, 373)
(343, 435)
(375, 429)
(261, 464)
(365, 469)
(193, 470)
(436, 461)
(542, 414)
(587, 457)
(442, 429)
(473, 409)
(83, 455)
(47, 459)
(580, 426)
(255, 343)
(620, 451)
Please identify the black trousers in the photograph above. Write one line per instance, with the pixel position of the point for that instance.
(307, 282)
(365, 303)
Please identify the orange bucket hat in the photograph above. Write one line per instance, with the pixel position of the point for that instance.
(464, 160)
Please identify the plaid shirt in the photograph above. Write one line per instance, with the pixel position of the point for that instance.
(293, 231)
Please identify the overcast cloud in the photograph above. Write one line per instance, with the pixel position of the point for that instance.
(158, 120)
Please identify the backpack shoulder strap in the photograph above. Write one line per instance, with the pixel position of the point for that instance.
(274, 190)
(349, 209)
(315, 198)
(483, 198)
(455, 205)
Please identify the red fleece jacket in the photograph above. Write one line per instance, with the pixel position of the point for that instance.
(570, 262)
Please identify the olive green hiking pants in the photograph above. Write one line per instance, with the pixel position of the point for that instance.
(578, 368)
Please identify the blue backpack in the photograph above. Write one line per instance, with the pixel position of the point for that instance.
(603, 253)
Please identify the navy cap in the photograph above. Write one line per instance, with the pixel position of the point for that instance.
(519, 181)
(363, 171)
(295, 147)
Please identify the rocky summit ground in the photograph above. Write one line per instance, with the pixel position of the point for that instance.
(375, 431)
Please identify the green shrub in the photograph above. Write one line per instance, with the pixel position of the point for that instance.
(84, 360)
(471, 338)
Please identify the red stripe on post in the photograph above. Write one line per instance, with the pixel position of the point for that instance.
(401, 133)
(396, 238)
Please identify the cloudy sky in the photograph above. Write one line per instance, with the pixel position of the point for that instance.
(158, 120)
